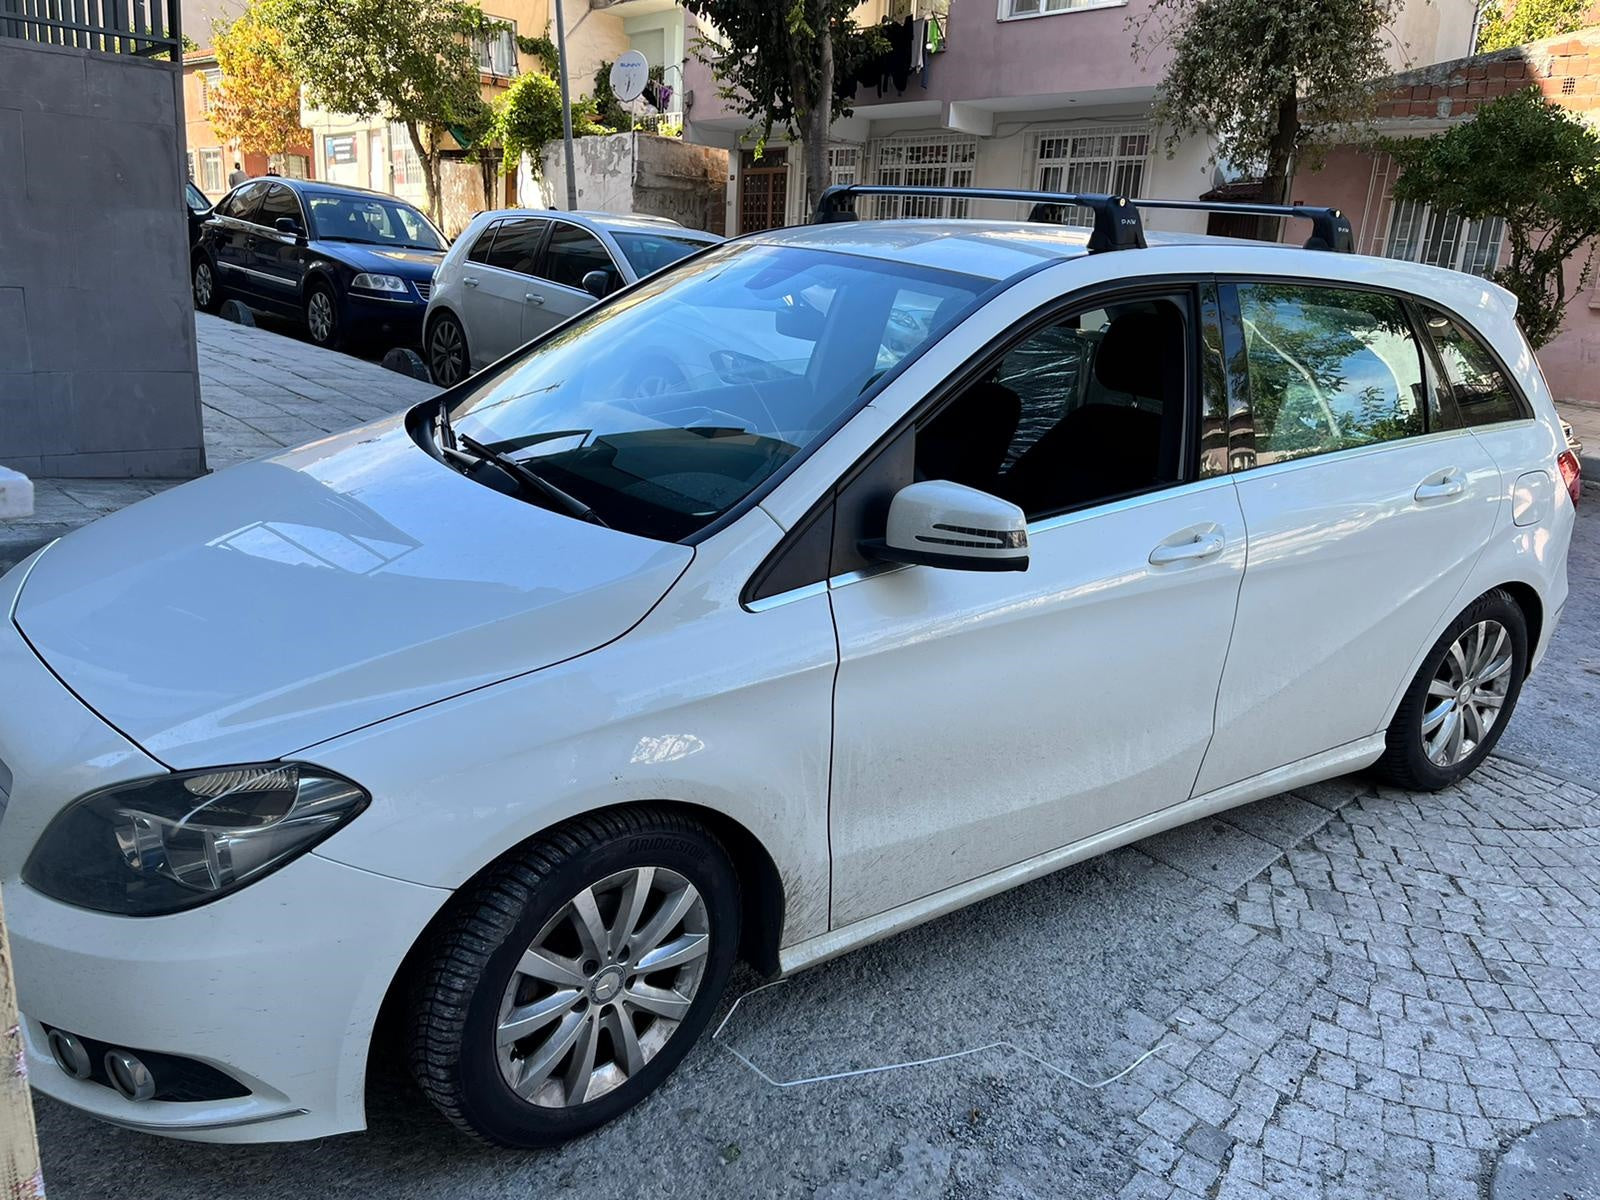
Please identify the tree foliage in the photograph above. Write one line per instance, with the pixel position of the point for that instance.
(1271, 81)
(1534, 164)
(1507, 23)
(527, 118)
(257, 103)
(411, 62)
(775, 62)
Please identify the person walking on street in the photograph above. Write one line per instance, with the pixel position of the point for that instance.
(237, 175)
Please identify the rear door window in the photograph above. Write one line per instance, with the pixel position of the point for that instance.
(279, 202)
(572, 254)
(478, 252)
(1483, 394)
(1330, 369)
(243, 203)
(516, 245)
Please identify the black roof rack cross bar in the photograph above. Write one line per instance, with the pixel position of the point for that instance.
(1116, 220)
(1330, 228)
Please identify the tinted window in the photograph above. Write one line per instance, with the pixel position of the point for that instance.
(1482, 393)
(279, 202)
(479, 251)
(572, 254)
(243, 203)
(1328, 369)
(371, 220)
(649, 252)
(1085, 409)
(730, 369)
(516, 246)
(196, 198)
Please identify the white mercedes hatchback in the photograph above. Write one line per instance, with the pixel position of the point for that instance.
(956, 552)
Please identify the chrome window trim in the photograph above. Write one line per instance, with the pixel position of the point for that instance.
(779, 599)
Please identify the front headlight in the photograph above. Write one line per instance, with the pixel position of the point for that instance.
(161, 845)
(378, 283)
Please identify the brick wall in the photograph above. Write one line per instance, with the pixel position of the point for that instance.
(1565, 68)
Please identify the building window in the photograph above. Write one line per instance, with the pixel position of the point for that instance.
(497, 49)
(292, 166)
(1109, 159)
(406, 166)
(1010, 9)
(925, 160)
(210, 81)
(844, 165)
(211, 179)
(1421, 233)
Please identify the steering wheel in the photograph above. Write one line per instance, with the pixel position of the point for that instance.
(652, 373)
(736, 367)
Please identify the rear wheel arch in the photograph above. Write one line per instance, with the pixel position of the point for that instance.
(1527, 599)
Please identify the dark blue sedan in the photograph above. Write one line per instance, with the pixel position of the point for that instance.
(355, 266)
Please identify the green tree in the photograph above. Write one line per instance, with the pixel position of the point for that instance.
(258, 101)
(1534, 164)
(1272, 82)
(1507, 23)
(411, 62)
(527, 118)
(776, 62)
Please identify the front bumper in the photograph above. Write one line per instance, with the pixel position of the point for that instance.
(383, 321)
(277, 985)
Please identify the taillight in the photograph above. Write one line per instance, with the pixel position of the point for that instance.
(1571, 474)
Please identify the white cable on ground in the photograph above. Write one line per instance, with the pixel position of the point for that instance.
(918, 1062)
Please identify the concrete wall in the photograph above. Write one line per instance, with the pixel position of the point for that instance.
(636, 173)
(98, 373)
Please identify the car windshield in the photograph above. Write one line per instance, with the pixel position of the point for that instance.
(371, 220)
(665, 407)
(649, 252)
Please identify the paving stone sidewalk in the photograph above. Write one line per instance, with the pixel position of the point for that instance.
(260, 392)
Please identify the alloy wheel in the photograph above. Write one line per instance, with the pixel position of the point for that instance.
(319, 316)
(203, 286)
(447, 353)
(602, 988)
(1467, 693)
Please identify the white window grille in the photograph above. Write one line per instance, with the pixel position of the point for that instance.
(497, 49)
(210, 81)
(922, 160)
(1421, 233)
(1038, 8)
(403, 160)
(1108, 159)
(211, 180)
(844, 164)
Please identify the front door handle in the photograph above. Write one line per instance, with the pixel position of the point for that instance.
(533, 298)
(1441, 485)
(1201, 545)
(469, 281)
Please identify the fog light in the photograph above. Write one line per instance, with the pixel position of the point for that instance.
(129, 1076)
(70, 1054)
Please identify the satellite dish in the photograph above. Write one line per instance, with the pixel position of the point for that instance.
(629, 74)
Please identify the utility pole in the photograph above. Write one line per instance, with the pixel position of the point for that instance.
(566, 107)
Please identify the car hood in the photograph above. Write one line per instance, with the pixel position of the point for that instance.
(408, 264)
(250, 614)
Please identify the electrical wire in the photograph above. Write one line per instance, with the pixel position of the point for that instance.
(916, 1062)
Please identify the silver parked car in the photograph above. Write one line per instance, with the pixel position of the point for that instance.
(516, 273)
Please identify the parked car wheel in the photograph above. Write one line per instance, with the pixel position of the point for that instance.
(322, 316)
(449, 360)
(1458, 704)
(573, 977)
(207, 293)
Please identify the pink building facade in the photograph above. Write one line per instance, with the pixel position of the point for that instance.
(1427, 101)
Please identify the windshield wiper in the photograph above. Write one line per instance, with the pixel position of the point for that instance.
(565, 500)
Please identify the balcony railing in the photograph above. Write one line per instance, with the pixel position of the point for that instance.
(140, 27)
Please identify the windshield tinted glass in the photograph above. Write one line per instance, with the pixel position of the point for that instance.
(649, 252)
(665, 408)
(372, 220)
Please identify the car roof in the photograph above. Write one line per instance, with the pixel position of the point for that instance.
(620, 222)
(1002, 250)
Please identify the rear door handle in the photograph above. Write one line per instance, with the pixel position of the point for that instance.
(533, 298)
(1201, 545)
(469, 281)
(1441, 486)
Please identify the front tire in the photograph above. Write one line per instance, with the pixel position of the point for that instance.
(322, 316)
(574, 975)
(1461, 698)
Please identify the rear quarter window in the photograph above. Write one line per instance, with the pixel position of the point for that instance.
(1482, 392)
